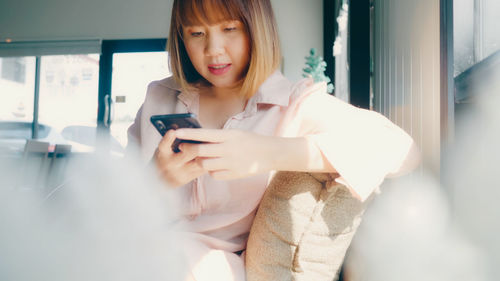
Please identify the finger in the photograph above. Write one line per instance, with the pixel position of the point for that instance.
(182, 174)
(203, 149)
(188, 152)
(194, 168)
(165, 145)
(223, 175)
(214, 164)
(185, 155)
(203, 135)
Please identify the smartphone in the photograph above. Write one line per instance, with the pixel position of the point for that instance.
(163, 123)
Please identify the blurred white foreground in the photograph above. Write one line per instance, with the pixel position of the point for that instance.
(422, 229)
(110, 221)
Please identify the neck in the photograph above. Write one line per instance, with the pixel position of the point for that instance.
(219, 104)
(223, 93)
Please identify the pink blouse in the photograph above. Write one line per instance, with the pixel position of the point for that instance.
(216, 216)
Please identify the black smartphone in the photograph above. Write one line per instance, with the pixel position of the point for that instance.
(166, 122)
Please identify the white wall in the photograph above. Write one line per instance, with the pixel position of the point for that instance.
(300, 23)
(63, 19)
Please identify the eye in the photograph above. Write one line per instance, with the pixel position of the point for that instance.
(193, 31)
(197, 34)
(230, 28)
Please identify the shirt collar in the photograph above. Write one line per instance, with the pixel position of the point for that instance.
(275, 90)
(188, 98)
(170, 83)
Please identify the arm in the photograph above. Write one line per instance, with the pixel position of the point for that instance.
(363, 147)
(296, 154)
(229, 154)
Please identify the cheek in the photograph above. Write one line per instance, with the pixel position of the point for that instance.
(244, 51)
(194, 52)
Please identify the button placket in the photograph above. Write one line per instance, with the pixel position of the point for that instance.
(198, 198)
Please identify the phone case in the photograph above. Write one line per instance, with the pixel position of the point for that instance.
(163, 123)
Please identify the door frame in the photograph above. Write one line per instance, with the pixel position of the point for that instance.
(108, 49)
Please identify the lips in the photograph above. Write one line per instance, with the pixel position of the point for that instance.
(219, 69)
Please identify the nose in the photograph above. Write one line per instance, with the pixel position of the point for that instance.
(215, 45)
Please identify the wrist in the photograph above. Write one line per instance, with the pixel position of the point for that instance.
(288, 154)
(297, 154)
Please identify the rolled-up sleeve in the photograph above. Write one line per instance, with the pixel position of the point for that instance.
(363, 146)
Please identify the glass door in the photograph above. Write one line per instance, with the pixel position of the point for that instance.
(126, 68)
(132, 72)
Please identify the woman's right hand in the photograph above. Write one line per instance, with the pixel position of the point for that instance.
(178, 168)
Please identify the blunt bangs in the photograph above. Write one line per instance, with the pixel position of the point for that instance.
(208, 12)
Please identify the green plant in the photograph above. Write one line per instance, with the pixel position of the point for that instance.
(316, 67)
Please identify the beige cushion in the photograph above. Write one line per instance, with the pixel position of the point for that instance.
(302, 229)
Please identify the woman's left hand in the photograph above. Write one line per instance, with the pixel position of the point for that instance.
(230, 154)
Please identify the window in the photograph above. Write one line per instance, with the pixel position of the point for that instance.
(14, 69)
(476, 46)
(17, 84)
(68, 95)
(476, 33)
(74, 89)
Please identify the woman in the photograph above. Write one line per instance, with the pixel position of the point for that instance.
(225, 56)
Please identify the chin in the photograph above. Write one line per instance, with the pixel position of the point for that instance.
(225, 84)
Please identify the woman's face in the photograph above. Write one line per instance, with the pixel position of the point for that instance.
(219, 52)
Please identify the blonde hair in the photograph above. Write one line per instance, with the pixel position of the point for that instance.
(259, 21)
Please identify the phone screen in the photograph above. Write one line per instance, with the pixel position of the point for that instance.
(163, 123)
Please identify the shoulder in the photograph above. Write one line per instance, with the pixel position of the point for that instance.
(166, 85)
(308, 93)
(161, 90)
(278, 89)
(311, 100)
(307, 89)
